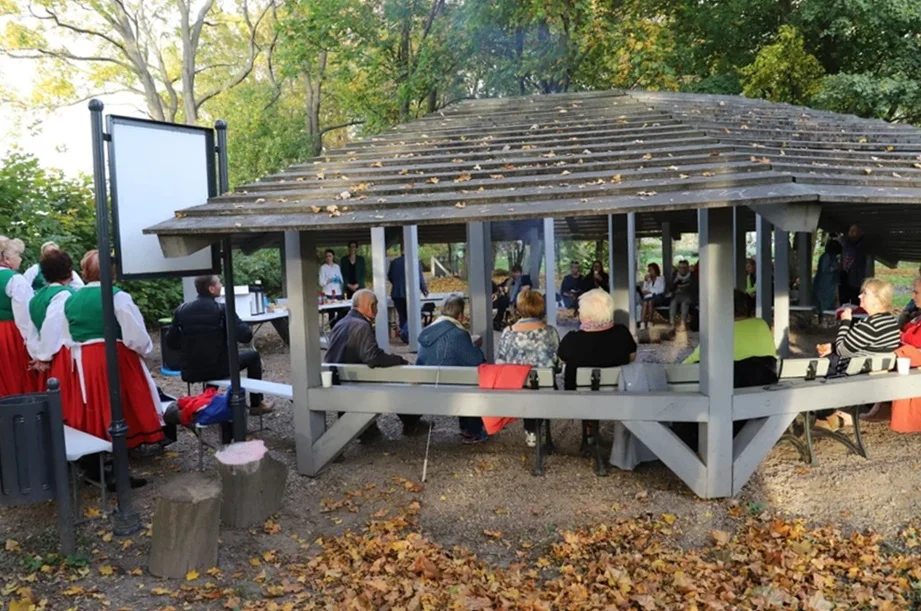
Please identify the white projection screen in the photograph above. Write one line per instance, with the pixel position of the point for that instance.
(155, 169)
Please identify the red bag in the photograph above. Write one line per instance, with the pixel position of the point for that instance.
(189, 405)
(501, 377)
(911, 334)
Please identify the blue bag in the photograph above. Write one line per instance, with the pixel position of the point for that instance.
(216, 412)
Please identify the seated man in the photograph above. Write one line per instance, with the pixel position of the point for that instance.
(571, 286)
(199, 332)
(353, 342)
(446, 343)
(517, 283)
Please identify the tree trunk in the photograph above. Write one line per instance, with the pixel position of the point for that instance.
(314, 91)
(253, 482)
(185, 526)
(188, 66)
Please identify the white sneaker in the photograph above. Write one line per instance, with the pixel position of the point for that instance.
(530, 439)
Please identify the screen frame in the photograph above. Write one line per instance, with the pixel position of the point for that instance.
(211, 164)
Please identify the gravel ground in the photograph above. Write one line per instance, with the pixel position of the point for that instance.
(472, 489)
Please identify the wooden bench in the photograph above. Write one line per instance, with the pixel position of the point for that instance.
(539, 378)
(801, 432)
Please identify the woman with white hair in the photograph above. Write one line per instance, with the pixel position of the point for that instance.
(17, 333)
(34, 275)
(599, 342)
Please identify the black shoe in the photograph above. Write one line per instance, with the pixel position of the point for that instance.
(171, 415)
(371, 434)
(413, 428)
(136, 482)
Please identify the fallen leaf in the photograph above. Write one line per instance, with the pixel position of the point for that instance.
(106, 570)
(13, 546)
(721, 537)
(271, 528)
(493, 534)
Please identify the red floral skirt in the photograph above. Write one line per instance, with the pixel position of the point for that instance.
(140, 411)
(15, 378)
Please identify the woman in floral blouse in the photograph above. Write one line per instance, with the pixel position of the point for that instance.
(530, 341)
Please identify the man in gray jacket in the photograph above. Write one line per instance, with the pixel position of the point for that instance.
(352, 341)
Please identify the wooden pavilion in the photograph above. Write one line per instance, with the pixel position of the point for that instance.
(614, 164)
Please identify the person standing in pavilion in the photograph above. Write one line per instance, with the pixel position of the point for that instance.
(139, 397)
(52, 356)
(35, 274)
(17, 333)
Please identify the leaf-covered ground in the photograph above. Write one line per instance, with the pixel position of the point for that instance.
(766, 563)
(483, 533)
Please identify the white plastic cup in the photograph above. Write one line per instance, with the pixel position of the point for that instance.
(903, 364)
(327, 378)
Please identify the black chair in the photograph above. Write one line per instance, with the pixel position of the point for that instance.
(33, 458)
(428, 313)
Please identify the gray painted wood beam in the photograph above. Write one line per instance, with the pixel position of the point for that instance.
(764, 272)
(550, 267)
(804, 267)
(668, 257)
(304, 320)
(473, 401)
(619, 271)
(782, 292)
(379, 270)
(753, 443)
(716, 348)
(413, 287)
(479, 283)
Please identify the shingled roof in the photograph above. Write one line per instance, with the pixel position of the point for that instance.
(577, 157)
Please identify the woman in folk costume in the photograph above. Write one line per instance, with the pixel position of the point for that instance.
(139, 396)
(35, 275)
(52, 351)
(17, 333)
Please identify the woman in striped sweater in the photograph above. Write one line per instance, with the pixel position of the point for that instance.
(878, 333)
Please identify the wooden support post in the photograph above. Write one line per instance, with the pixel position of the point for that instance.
(413, 286)
(782, 292)
(739, 255)
(716, 348)
(550, 265)
(804, 267)
(871, 266)
(379, 272)
(618, 234)
(763, 272)
(253, 483)
(534, 255)
(186, 526)
(631, 270)
(304, 318)
(479, 283)
(668, 257)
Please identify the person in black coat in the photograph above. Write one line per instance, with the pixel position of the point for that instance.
(199, 333)
(353, 342)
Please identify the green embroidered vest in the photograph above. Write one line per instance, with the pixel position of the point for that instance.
(6, 304)
(39, 282)
(38, 307)
(84, 314)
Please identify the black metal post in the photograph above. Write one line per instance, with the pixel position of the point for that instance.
(237, 396)
(126, 519)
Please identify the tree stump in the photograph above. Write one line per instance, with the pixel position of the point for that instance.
(185, 526)
(253, 483)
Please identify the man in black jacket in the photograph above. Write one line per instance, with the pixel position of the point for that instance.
(199, 332)
(353, 342)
